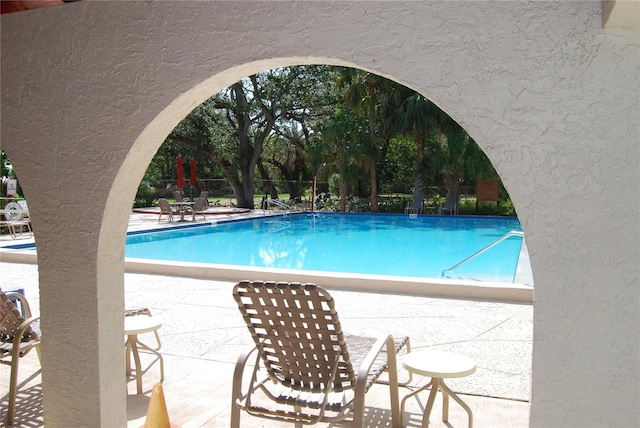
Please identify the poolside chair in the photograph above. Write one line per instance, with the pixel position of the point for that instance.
(177, 195)
(165, 209)
(449, 207)
(205, 195)
(18, 336)
(199, 207)
(16, 216)
(306, 370)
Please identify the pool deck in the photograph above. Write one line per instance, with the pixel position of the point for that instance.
(203, 333)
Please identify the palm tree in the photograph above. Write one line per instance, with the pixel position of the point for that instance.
(342, 137)
(362, 94)
(418, 117)
(455, 155)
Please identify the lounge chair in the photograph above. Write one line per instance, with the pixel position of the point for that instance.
(199, 207)
(18, 336)
(165, 209)
(311, 371)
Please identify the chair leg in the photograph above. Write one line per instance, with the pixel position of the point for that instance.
(358, 409)
(236, 391)
(235, 412)
(394, 395)
(13, 389)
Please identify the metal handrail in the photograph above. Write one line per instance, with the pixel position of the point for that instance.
(277, 202)
(482, 250)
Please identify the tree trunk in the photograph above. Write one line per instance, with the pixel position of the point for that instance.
(418, 183)
(373, 172)
(452, 183)
(343, 182)
(373, 176)
(267, 182)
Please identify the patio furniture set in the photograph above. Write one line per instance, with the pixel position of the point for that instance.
(182, 207)
(303, 368)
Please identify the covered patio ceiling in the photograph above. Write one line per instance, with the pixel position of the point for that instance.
(615, 13)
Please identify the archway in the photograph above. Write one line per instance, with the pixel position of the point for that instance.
(91, 77)
(458, 290)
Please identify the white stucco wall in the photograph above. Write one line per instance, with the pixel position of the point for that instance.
(90, 90)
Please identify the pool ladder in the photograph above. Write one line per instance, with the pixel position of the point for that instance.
(488, 247)
(286, 207)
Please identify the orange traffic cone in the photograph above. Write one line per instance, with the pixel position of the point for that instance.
(157, 415)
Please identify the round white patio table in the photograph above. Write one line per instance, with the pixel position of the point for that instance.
(133, 326)
(438, 365)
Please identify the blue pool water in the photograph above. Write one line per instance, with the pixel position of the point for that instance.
(356, 243)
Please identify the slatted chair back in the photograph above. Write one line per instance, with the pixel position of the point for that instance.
(165, 209)
(199, 207)
(11, 321)
(297, 331)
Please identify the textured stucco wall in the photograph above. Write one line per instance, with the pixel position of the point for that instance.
(90, 90)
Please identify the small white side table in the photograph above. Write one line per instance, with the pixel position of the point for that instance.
(133, 326)
(438, 365)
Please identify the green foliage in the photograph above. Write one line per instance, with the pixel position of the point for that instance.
(145, 196)
(393, 204)
(363, 133)
(358, 205)
(502, 208)
(438, 200)
(325, 202)
(397, 173)
(334, 184)
(6, 169)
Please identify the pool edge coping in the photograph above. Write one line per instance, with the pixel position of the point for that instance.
(431, 287)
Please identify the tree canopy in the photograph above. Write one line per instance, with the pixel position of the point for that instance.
(287, 125)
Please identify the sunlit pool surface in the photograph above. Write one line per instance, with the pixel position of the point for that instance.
(396, 245)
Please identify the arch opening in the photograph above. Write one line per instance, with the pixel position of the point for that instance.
(155, 133)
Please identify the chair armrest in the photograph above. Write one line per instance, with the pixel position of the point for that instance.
(24, 326)
(392, 368)
(23, 302)
(367, 362)
(238, 371)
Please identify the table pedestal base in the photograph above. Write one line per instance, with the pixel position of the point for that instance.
(132, 348)
(133, 326)
(435, 385)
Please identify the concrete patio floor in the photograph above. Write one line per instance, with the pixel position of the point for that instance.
(203, 334)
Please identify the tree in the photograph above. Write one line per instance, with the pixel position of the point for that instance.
(231, 128)
(343, 136)
(286, 152)
(399, 169)
(361, 94)
(234, 126)
(285, 123)
(455, 155)
(418, 117)
(309, 99)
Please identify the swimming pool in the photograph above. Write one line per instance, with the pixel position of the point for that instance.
(387, 245)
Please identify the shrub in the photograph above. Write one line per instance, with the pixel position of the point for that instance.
(395, 204)
(146, 195)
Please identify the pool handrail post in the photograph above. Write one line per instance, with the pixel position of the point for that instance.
(313, 194)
